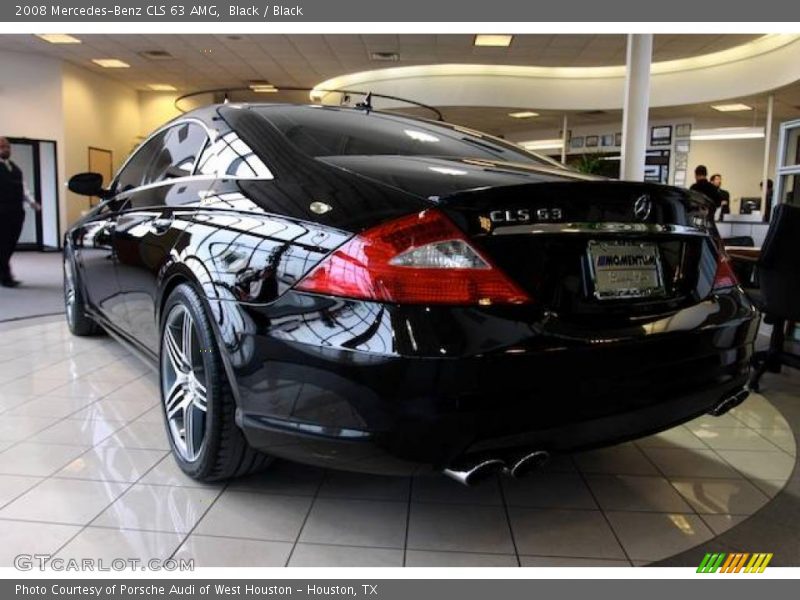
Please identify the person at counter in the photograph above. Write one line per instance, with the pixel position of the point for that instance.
(724, 196)
(704, 186)
(767, 199)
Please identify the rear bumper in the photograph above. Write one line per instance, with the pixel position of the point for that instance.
(554, 388)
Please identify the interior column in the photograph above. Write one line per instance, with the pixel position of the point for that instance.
(635, 108)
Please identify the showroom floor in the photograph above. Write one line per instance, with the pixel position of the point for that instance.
(85, 472)
(41, 292)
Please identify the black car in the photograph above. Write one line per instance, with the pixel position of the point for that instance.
(373, 292)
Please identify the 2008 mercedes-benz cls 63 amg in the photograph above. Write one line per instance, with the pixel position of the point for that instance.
(374, 292)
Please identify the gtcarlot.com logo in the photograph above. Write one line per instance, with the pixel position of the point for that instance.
(737, 562)
(41, 562)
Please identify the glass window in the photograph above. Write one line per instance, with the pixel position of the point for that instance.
(319, 131)
(169, 153)
(178, 153)
(132, 174)
(230, 156)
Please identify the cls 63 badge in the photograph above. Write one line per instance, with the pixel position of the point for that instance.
(526, 215)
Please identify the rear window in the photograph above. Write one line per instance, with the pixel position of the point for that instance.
(318, 132)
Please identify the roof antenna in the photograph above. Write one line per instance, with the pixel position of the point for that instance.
(366, 104)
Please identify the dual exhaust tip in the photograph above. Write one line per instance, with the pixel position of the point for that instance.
(482, 470)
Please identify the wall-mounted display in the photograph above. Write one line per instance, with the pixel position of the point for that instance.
(607, 140)
(661, 135)
(591, 141)
(618, 140)
(684, 130)
(576, 142)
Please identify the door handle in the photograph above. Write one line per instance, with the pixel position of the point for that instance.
(162, 224)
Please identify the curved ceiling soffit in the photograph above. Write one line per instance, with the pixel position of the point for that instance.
(765, 64)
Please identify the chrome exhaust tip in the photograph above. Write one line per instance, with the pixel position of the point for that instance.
(730, 402)
(475, 473)
(527, 463)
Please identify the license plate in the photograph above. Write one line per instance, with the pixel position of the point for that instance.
(623, 269)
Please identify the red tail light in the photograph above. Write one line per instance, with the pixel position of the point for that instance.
(725, 277)
(419, 259)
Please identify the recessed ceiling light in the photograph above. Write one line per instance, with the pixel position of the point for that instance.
(554, 144)
(162, 87)
(384, 56)
(263, 87)
(523, 114)
(58, 38)
(728, 133)
(110, 63)
(736, 106)
(495, 41)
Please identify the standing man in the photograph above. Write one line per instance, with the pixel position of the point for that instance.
(724, 195)
(704, 186)
(12, 214)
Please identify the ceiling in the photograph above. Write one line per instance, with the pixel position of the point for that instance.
(197, 62)
(496, 120)
(212, 61)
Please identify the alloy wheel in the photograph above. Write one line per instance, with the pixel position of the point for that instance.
(69, 291)
(183, 383)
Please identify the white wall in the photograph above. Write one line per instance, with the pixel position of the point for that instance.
(155, 109)
(30, 94)
(100, 113)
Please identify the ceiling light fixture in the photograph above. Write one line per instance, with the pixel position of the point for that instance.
(162, 87)
(523, 114)
(58, 38)
(263, 87)
(493, 41)
(727, 133)
(553, 144)
(110, 63)
(734, 107)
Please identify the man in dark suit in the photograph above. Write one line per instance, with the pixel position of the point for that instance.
(704, 186)
(724, 195)
(12, 215)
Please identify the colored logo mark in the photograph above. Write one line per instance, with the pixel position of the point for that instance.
(734, 563)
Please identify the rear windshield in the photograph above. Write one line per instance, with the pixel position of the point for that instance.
(319, 131)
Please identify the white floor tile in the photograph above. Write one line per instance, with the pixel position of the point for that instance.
(17, 428)
(549, 490)
(37, 459)
(318, 555)
(20, 537)
(88, 432)
(109, 463)
(654, 536)
(125, 544)
(158, 508)
(427, 558)
(68, 501)
(13, 486)
(760, 465)
(636, 493)
(577, 533)
(721, 496)
(625, 459)
(356, 523)
(684, 462)
(227, 552)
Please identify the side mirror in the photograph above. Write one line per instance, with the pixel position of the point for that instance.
(87, 184)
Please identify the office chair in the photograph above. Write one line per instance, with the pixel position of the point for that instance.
(779, 295)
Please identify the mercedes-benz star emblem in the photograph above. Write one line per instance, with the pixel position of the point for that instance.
(642, 207)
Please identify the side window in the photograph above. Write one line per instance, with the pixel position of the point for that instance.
(133, 173)
(177, 154)
(230, 156)
(170, 153)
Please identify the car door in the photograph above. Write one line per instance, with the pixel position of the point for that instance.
(153, 221)
(96, 242)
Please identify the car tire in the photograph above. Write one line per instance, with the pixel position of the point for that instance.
(196, 398)
(78, 321)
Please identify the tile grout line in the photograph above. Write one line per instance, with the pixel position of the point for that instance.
(582, 475)
(308, 514)
(198, 521)
(408, 518)
(508, 522)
